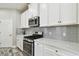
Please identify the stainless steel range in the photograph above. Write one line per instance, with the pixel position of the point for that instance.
(28, 43)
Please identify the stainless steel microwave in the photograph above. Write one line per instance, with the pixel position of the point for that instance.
(34, 21)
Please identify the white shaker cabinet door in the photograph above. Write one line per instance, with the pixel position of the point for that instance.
(20, 42)
(38, 49)
(53, 14)
(27, 18)
(23, 19)
(34, 8)
(43, 14)
(68, 13)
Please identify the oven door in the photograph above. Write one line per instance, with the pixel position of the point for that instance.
(28, 48)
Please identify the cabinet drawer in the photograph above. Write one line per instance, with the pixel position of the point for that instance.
(48, 52)
(60, 51)
(53, 50)
(38, 49)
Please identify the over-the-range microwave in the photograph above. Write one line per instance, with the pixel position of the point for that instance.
(34, 21)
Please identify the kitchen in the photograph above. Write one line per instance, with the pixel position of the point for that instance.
(39, 29)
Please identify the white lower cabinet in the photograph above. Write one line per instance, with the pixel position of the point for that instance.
(20, 42)
(38, 49)
(55, 51)
(47, 52)
(42, 49)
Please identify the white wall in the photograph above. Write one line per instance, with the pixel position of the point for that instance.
(13, 15)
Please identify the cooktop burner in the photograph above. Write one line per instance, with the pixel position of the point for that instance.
(34, 36)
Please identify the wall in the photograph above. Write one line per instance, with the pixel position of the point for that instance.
(66, 33)
(14, 15)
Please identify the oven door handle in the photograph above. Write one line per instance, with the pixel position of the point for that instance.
(28, 42)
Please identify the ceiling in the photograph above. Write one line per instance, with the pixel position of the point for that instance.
(19, 6)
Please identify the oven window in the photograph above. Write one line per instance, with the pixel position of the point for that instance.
(27, 47)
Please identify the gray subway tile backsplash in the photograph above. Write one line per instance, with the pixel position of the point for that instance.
(66, 33)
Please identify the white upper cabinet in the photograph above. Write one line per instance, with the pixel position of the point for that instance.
(31, 12)
(20, 41)
(43, 14)
(68, 13)
(33, 7)
(62, 14)
(23, 19)
(27, 18)
(53, 13)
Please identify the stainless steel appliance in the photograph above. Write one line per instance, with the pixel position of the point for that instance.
(28, 43)
(28, 47)
(34, 21)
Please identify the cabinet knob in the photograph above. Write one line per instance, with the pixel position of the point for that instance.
(56, 50)
(59, 21)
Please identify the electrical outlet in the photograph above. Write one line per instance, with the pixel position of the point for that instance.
(64, 34)
(50, 33)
